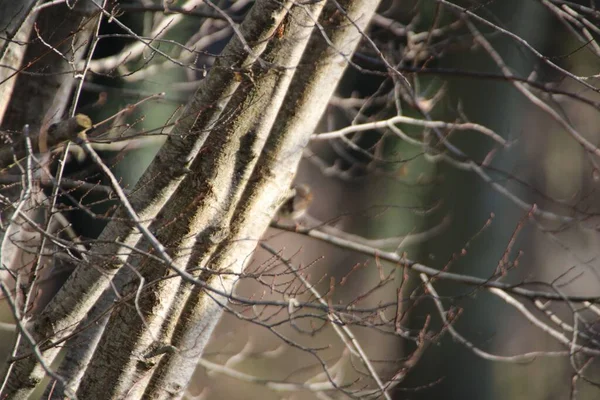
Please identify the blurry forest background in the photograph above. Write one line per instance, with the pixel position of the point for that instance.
(442, 213)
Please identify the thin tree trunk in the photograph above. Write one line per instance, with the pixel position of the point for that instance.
(16, 22)
(38, 99)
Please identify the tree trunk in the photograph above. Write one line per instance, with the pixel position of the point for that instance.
(204, 202)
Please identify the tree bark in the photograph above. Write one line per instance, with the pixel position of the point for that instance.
(198, 309)
(16, 22)
(151, 195)
(207, 197)
(40, 96)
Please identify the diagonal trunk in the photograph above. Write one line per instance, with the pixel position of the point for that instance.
(197, 310)
(155, 188)
(207, 197)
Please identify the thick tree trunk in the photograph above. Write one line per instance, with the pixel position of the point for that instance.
(153, 192)
(313, 83)
(207, 197)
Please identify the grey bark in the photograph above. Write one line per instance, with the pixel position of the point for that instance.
(228, 158)
(42, 90)
(16, 22)
(250, 121)
(37, 100)
(316, 78)
(152, 193)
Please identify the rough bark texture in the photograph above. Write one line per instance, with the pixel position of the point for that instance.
(220, 175)
(152, 193)
(313, 83)
(250, 120)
